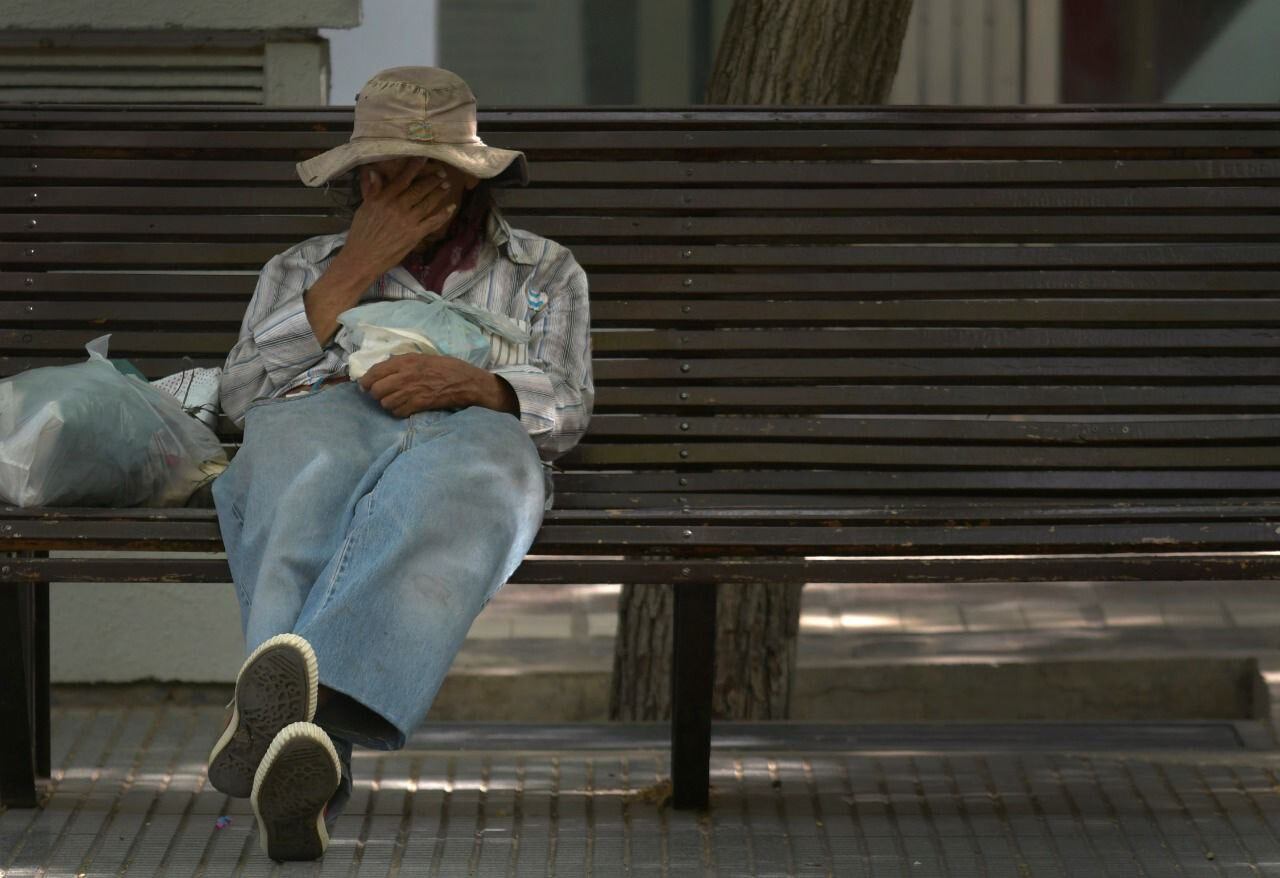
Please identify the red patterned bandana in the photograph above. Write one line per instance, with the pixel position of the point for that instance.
(457, 251)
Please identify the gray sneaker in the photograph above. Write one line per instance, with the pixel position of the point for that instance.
(277, 685)
(338, 802)
(292, 789)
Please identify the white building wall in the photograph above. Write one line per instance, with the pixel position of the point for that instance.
(391, 33)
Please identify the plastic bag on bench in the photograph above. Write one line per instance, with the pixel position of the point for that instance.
(88, 435)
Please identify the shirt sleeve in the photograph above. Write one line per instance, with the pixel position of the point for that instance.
(276, 341)
(555, 388)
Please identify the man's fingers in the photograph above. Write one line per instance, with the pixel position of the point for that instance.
(380, 369)
(430, 205)
(394, 400)
(385, 386)
(370, 183)
(373, 375)
(437, 220)
(370, 381)
(404, 179)
(425, 196)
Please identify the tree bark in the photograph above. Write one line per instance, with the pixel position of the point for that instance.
(772, 52)
(807, 53)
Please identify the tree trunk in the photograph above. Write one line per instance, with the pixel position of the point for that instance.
(772, 52)
(815, 52)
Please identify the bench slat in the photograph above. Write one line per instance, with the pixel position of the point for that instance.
(809, 142)
(1119, 431)
(860, 321)
(883, 510)
(859, 456)
(1213, 565)
(741, 540)
(179, 132)
(1147, 283)
(161, 116)
(958, 370)
(792, 370)
(707, 502)
(225, 200)
(1060, 341)
(54, 255)
(694, 229)
(824, 174)
(984, 399)
(988, 428)
(1137, 483)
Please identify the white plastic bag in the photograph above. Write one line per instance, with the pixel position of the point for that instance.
(87, 435)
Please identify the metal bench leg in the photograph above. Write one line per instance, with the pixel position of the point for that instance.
(40, 662)
(18, 701)
(693, 676)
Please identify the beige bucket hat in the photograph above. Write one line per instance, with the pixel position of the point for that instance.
(417, 111)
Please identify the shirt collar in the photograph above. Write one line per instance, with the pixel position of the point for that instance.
(497, 229)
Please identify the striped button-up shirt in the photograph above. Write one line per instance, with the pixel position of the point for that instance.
(531, 279)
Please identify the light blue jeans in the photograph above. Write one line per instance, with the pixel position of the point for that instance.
(377, 538)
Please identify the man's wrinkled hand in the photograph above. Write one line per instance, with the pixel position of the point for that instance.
(409, 383)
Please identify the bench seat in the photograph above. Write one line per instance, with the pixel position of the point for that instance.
(1040, 531)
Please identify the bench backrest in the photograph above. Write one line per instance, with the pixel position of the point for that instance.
(789, 308)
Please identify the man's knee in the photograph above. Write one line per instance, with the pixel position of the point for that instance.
(499, 436)
(495, 428)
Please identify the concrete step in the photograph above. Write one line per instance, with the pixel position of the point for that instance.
(1136, 688)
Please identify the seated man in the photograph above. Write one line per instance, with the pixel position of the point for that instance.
(367, 523)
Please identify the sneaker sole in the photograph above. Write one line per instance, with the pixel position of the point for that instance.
(277, 685)
(294, 782)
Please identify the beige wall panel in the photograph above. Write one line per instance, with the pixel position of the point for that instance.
(1006, 51)
(906, 83)
(178, 14)
(936, 53)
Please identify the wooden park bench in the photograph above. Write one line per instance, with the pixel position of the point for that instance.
(908, 345)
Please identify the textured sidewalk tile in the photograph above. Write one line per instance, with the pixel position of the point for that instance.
(130, 796)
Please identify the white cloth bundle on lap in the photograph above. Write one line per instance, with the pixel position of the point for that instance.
(373, 332)
(372, 344)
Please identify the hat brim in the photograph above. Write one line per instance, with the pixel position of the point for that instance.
(504, 167)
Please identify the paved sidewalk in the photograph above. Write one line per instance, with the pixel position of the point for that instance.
(129, 798)
(531, 627)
